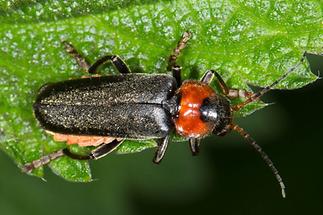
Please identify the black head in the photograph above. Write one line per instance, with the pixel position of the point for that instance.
(216, 111)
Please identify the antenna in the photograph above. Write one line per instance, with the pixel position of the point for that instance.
(263, 155)
(257, 95)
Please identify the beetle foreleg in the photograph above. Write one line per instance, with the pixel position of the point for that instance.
(231, 93)
(194, 146)
(120, 65)
(81, 61)
(162, 146)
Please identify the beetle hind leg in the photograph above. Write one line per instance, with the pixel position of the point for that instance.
(97, 153)
(81, 61)
(119, 64)
(105, 149)
(44, 160)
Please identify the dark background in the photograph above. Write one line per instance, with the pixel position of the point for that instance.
(228, 177)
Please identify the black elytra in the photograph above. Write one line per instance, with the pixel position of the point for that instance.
(126, 106)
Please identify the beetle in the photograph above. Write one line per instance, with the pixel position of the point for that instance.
(102, 111)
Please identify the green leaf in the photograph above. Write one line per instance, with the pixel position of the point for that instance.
(130, 146)
(246, 41)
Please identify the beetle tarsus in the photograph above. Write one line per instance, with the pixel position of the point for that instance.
(81, 61)
(172, 65)
(27, 168)
(162, 147)
(231, 93)
(180, 45)
(46, 159)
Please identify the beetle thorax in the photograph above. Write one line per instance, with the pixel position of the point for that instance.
(200, 110)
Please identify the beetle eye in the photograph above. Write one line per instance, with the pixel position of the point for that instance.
(216, 112)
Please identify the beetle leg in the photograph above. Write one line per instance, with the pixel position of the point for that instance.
(172, 66)
(70, 154)
(120, 65)
(105, 149)
(194, 145)
(84, 63)
(176, 72)
(238, 93)
(208, 77)
(46, 159)
(231, 93)
(97, 153)
(180, 45)
(162, 146)
(81, 61)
